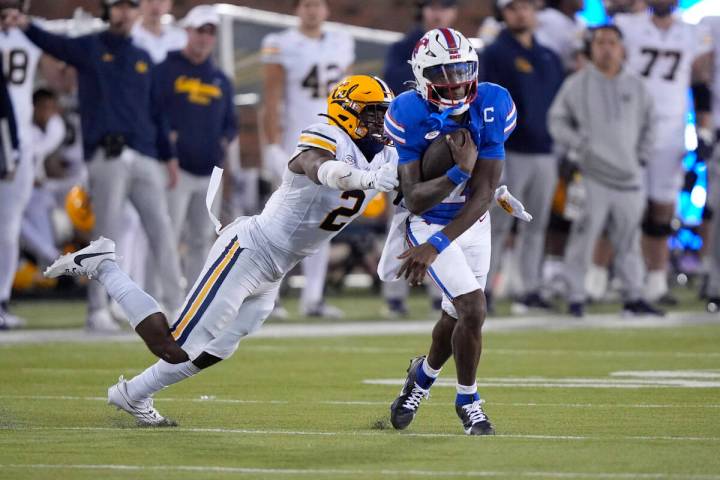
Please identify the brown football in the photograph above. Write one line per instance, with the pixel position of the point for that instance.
(438, 159)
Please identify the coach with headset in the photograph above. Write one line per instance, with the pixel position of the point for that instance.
(125, 137)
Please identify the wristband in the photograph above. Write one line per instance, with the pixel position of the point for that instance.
(457, 175)
(439, 240)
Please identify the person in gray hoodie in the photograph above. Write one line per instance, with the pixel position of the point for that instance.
(603, 117)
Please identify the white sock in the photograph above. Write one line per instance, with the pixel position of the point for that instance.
(159, 376)
(466, 390)
(136, 304)
(429, 371)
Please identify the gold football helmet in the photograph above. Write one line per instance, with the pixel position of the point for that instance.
(358, 105)
(79, 209)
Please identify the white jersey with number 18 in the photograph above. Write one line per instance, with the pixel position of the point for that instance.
(20, 58)
(313, 66)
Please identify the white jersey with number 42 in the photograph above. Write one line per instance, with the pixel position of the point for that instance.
(312, 69)
(302, 214)
(664, 59)
(19, 63)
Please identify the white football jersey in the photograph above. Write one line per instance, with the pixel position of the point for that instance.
(664, 59)
(158, 46)
(20, 58)
(713, 26)
(312, 69)
(561, 34)
(302, 214)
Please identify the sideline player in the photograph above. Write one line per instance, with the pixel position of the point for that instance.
(447, 224)
(666, 52)
(335, 171)
(301, 66)
(19, 61)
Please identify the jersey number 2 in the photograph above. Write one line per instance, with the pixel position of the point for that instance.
(329, 222)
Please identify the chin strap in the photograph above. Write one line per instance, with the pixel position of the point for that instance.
(437, 120)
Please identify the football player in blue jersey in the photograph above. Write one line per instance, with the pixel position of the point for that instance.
(445, 220)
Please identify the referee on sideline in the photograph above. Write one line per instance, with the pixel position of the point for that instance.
(124, 135)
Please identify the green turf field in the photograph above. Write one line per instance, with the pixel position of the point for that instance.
(317, 408)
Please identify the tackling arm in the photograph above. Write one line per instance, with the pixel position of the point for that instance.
(320, 167)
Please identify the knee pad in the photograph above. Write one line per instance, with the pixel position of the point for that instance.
(656, 229)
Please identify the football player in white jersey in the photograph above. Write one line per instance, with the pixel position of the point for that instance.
(19, 60)
(337, 168)
(665, 51)
(301, 66)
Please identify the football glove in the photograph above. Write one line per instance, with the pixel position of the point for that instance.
(510, 204)
(384, 179)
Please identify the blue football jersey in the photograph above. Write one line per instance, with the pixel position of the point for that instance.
(413, 123)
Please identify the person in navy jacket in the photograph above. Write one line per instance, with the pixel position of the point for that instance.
(198, 98)
(533, 75)
(125, 139)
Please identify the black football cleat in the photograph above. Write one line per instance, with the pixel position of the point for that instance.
(641, 307)
(474, 420)
(405, 406)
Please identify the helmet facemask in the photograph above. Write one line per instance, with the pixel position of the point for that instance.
(451, 85)
(371, 122)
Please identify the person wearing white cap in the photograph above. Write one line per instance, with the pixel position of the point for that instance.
(198, 98)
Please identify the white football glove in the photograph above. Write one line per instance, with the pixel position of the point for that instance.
(510, 204)
(384, 179)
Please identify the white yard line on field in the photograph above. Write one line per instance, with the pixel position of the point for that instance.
(311, 433)
(380, 472)
(213, 399)
(391, 328)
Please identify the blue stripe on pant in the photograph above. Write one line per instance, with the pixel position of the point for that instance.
(432, 273)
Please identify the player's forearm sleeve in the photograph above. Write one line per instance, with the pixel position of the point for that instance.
(341, 176)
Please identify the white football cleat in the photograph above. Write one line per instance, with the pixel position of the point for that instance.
(101, 321)
(142, 410)
(83, 262)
